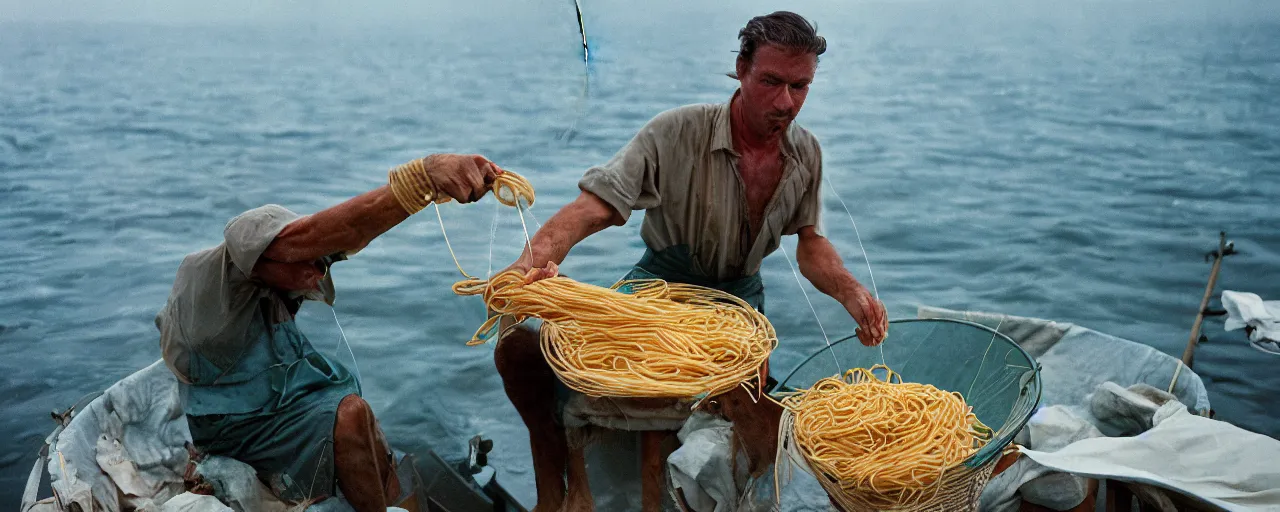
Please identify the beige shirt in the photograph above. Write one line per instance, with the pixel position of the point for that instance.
(681, 169)
(216, 308)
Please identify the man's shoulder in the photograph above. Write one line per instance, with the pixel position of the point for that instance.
(685, 114)
(203, 257)
(805, 143)
(803, 139)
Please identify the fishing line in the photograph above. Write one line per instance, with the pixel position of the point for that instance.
(493, 235)
(586, 74)
(875, 290)
(839, 369)
(984, 358)
(354, 365)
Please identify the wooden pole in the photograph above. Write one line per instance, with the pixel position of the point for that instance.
(1188, 355)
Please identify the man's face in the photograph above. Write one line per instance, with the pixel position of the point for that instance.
(774, 86)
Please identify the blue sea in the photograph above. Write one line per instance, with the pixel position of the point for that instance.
(1072, 161)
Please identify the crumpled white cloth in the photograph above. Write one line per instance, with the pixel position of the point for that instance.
(187, 502)
(1210, 460)
(703, 470)
(1249, 310)
(127, 450)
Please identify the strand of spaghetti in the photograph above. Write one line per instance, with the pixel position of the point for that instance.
(508, 188)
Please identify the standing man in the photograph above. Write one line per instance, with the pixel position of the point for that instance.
(720, 185)
(253, 387)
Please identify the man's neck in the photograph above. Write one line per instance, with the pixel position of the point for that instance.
(744, 138)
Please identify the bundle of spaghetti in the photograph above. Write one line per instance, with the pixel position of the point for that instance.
(668, 340)
(880, 444)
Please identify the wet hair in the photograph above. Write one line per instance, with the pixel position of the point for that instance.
(783, 29)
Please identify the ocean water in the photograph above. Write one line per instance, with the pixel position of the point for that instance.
(1067, 162)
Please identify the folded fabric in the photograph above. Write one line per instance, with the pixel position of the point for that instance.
(1249, 310)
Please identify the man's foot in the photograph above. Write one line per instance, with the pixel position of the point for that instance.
(579, 502)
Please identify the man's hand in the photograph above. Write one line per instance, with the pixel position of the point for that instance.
(538, 274)
(532, 274)
(873, 323)
(465, 178)
(821, 265)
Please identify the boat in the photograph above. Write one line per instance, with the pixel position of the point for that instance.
(128, 448)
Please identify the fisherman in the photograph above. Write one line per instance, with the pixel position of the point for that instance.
(720, 185)
(253, 387)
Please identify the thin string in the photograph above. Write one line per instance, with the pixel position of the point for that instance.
(795, 272)
(875, 290)
(984, 359)
(447, 244)
(355, 365)
(493, 235)
(528, 243)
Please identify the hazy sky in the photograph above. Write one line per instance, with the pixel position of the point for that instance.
(182, 11)
(392, 11)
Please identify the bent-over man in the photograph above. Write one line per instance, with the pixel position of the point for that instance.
(253, 387)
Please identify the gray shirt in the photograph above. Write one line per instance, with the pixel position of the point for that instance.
(681, 169)
(216, 306)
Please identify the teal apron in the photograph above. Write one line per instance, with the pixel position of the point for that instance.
(675, 265)
(273, 409)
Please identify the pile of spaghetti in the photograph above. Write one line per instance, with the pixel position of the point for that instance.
(662, 339)
(880, 444)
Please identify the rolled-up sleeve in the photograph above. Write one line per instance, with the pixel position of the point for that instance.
(809, 211)
(249, 234)
(629, 180)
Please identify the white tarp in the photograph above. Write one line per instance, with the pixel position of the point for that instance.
(1249, 310)
(1104, 391)
(127, 450)
(1212, 460)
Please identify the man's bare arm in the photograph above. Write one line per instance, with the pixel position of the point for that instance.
(345, 227)
(822, 266)
(585, 216)
(350, 226)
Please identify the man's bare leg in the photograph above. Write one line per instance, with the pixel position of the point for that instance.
(360, 462)
(530, 385)
(653, 464)
(580, 498)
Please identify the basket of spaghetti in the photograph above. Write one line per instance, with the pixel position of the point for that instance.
(916, 424)
(637, 338)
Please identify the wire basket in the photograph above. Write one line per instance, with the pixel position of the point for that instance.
(996, 377)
